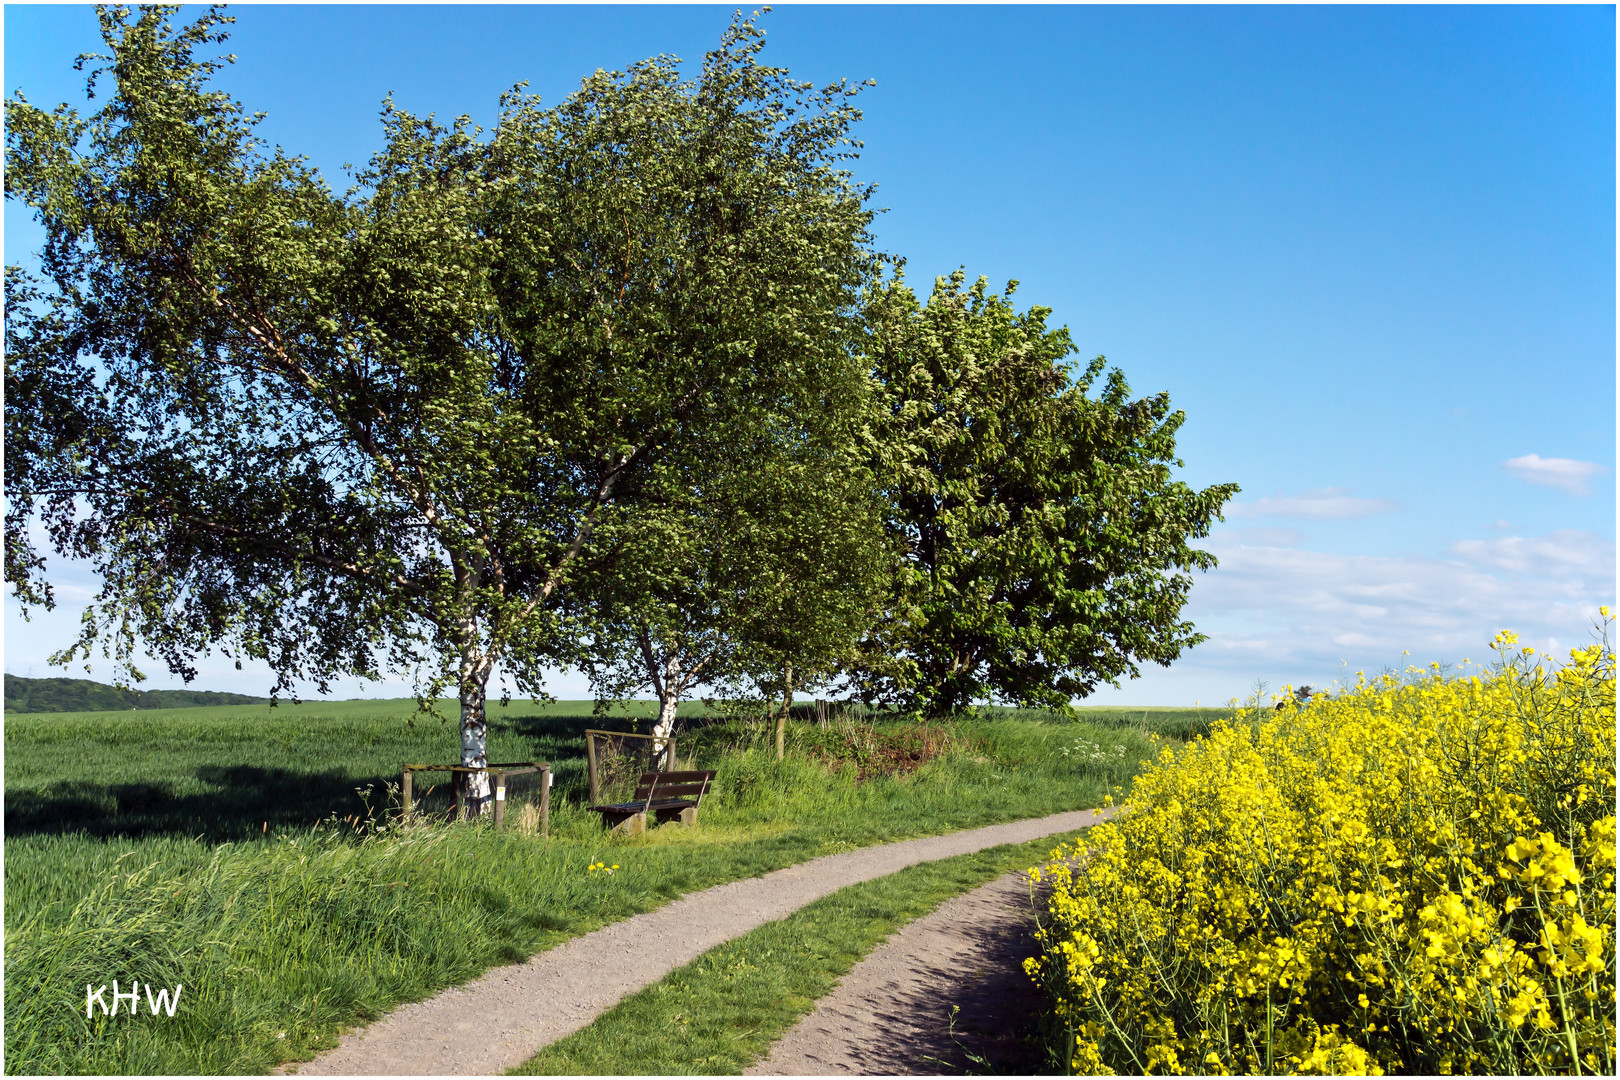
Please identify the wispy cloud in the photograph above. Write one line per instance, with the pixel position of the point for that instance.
(1562, 553)
(1271, 611)
(1328, 502)
(1566, 474)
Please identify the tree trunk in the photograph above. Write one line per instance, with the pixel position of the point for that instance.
(668, 683)
(475, 793)
(787, 707)
(664, 728)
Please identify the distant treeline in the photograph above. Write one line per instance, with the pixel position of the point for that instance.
(83, 695)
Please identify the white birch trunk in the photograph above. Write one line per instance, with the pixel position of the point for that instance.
(474, 678)
(670, 690)
(669, 680)
(663, 729)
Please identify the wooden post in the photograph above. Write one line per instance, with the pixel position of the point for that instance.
(405, 794)
(500, 799)
(590, 758)
(787, 709)
(545, 798)
(461, 813)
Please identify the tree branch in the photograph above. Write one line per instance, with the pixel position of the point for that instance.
(340, 565)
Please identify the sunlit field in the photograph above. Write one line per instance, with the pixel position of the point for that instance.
(253, 856)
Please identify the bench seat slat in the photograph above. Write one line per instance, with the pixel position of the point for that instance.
(642, 804)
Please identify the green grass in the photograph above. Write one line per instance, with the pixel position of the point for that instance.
(721, 1012)
(1171, 722)
(177, 848)
(234, 772)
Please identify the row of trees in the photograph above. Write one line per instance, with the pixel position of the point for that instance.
(619, 384)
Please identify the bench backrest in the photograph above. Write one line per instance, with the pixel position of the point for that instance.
(673, 785)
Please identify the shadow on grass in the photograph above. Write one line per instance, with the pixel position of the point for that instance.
(239, 802)
(221, 802)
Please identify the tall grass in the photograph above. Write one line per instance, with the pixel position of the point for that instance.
(283, 932)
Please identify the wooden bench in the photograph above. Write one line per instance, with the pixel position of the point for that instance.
(668, 796)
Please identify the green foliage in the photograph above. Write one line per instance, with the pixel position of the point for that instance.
(771, 554)
(81, 695)
(1045, 543)
(389, 429)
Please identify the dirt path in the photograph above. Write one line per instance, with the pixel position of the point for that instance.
(943, 991)
(506, 1015)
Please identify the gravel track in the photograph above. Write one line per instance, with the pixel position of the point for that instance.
(947, 992)
(503, 1017)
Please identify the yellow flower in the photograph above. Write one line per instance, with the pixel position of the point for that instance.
(1444, 848)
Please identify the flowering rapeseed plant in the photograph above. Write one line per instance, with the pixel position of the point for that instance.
(1400, 878)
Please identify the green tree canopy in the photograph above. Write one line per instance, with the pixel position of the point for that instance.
(1045, 540)
(772, 559)
(382, 429)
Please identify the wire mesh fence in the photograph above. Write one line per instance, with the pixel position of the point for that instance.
(615, 760)
(521, 792)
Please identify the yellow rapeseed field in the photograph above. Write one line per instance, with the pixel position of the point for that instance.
(1410, 876)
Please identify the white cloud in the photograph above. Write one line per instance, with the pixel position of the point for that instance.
(1567, 551)
(1566, 474)
(1328, 502)
(1282, 613)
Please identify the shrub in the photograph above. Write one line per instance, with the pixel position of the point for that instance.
(1401, 878)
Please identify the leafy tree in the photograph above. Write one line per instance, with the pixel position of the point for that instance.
(1042, 531)
(340, 433)
(81, 695)
(773, 558)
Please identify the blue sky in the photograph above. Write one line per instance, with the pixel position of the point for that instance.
(1370, 251)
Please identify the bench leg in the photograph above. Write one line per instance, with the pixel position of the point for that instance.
(634, 825)
(687, 815)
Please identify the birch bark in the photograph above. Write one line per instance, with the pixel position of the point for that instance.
(670, 681)
(663, 729)
(474, 740)
(475, 659)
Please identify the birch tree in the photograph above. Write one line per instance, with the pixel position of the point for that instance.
(776, 550)
(383, 430)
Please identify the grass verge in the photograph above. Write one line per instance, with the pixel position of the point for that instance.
(177, 850)
(720, 1013)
